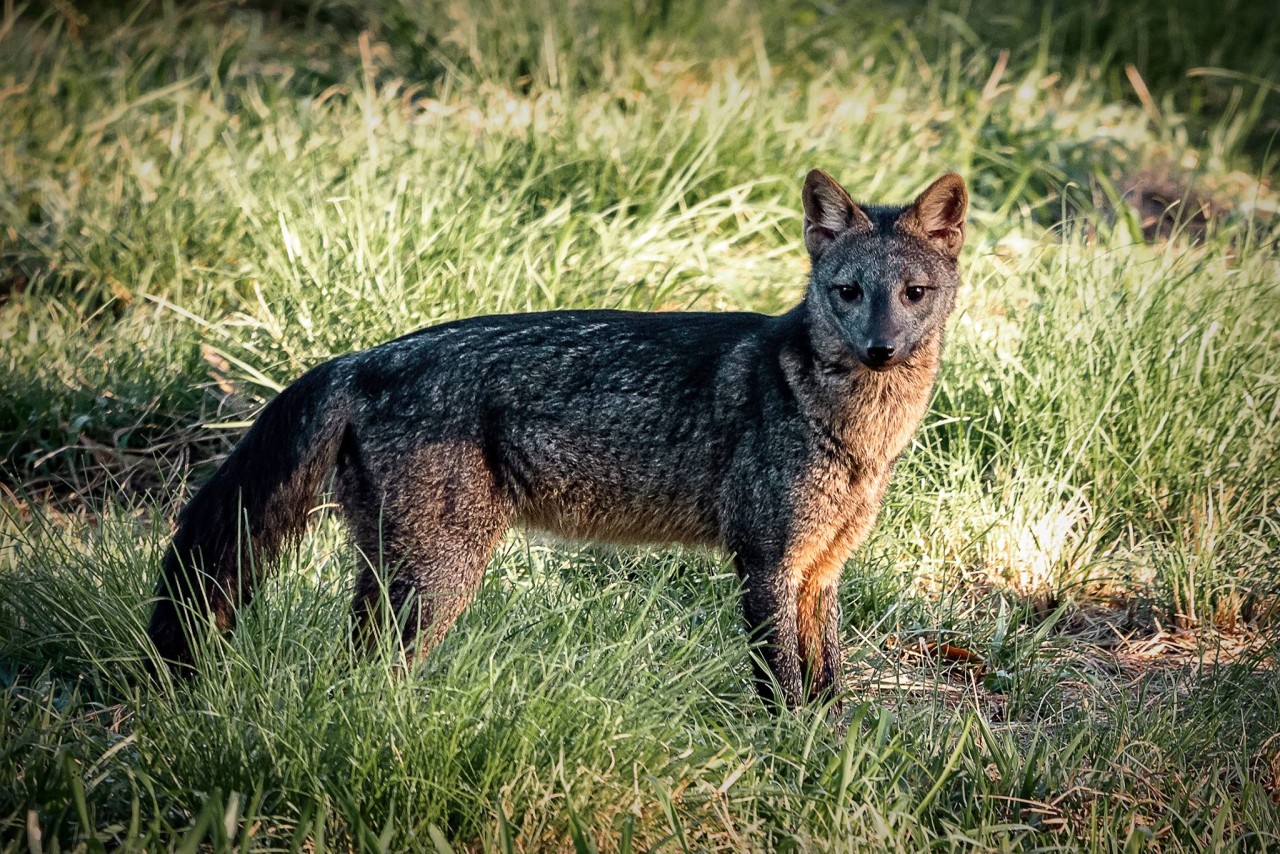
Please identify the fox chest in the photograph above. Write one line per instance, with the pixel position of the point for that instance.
(833, 511)
(837, 500)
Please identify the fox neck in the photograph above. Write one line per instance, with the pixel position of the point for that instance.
(879, 413)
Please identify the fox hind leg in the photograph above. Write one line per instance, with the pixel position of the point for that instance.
(425, 535)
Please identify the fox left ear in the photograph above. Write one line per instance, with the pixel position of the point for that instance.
(828, 212)
(938, 213)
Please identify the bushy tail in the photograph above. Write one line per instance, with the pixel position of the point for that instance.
(257, 501)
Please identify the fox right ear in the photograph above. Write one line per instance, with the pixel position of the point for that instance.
(938, 214)
(828, 212)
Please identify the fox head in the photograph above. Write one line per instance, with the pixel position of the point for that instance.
(884, 277)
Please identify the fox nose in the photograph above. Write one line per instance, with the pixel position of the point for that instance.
(879, 353)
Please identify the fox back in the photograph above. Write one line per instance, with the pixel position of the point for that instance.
(769, 437)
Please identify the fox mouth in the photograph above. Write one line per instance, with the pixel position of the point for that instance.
(882, 363)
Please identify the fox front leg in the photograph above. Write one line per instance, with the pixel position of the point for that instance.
(769, 604)
(821, 654)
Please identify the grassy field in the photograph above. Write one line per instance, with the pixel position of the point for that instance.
(1063, 632)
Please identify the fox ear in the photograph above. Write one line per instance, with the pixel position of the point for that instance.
(828, 212)
(937, 214)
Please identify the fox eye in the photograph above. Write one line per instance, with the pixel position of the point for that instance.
(914, 293)
(849, 293)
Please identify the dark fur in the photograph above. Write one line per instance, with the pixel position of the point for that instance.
(771, 438)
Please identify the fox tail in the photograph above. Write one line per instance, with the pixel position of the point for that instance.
(257, 501)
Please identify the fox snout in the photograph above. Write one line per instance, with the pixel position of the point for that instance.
(880, 353)
(883, 342)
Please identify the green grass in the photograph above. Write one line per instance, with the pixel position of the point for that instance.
(196, 206)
